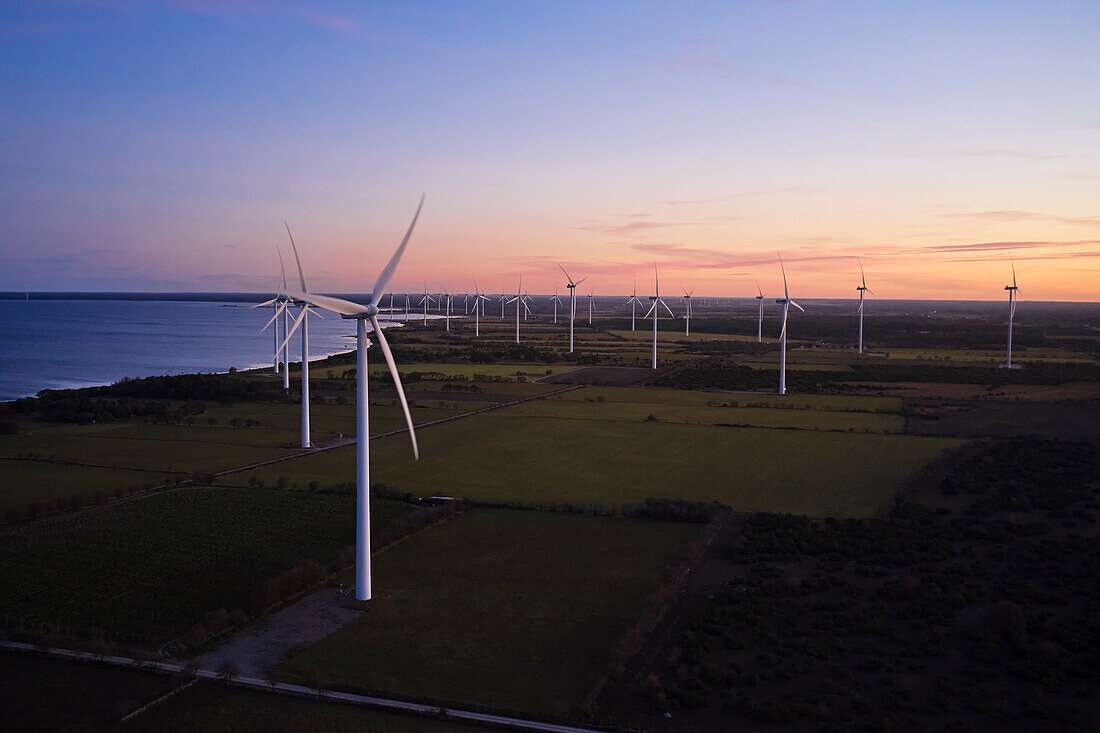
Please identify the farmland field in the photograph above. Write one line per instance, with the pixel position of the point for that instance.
(146, 570)
(509, 458)
(503, 608)
(22, 482)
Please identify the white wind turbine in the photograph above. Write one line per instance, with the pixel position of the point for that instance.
(862, 288)
(279, 304)
(556, 301)
(572, 302)
(302, 321)
(426, 301)
(445, 303)
(361, 314)
(687, 310)
(656, 311)
(760, 318)
(786, 302)
(1013, 294)
(633, 302)
(478, 301)
(589, 307)
(521, 302)
(503, 299)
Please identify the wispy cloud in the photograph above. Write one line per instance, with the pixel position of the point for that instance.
(993, 246)
(742, 195)
(1014, 216)
(633, 227)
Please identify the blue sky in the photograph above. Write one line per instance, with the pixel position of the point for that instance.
(161, 145)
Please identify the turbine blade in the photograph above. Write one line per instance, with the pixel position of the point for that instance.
(336, 305)
(786, 295)
(297, 322)
(268, 324)
(301, 275)
(666, 307)
(266, 302)
(861, 275)
(796, 305)
(396, 380)
(391, 266)
(580, 281)
(648, 312)
(282, 268)
(565, 273)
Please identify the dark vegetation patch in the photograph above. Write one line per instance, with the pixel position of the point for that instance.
(724, 374)
(974, 605)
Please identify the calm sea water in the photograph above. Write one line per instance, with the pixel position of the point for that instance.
(54, 344)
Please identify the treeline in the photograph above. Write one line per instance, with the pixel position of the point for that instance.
(727, 375)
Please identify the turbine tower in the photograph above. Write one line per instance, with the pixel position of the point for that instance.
(572, 302)
(862, 288)
(303, 322)
(361, 314)
(445, 304)
(1013, 293)
(687, 310)
(760, 318)
(556, 301)
(656, 311)
(521, 302)
(279, 304)
(426, 301)
(589, 307)
(633, 302)
(478, 298)
(786, 302)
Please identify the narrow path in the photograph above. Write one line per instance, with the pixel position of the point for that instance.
(435, 711)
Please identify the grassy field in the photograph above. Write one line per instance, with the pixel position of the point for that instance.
(507, 457)
(504, 608)
(144, 571)
(209, 706)
(22, 482)
(42, 694)
(658, 395)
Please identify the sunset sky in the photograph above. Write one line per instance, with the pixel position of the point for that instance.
(160, 145)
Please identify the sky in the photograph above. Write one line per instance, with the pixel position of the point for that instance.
(160, 145)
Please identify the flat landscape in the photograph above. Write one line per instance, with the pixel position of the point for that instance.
(489, 608)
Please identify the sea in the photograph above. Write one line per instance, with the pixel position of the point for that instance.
(60, 344)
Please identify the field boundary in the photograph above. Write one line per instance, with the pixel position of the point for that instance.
(285, 688)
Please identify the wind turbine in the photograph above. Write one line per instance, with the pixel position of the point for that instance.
(521, 302)
(503, 299)
(633, 302)
(786, 302)
(279, 304)
(556, 301)
(572, 302)
(589, 307)
(687, 310)
(426, 301)
(445, 304)
(303, 322)
(862, 288)
(760, 318)
(1013, 293)
(361, 314)
(478, 299)
(656, 311)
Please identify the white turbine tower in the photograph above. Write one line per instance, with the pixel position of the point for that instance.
(687, 310)
(426, 301)
(279, 304)
(361, 314)
(572, 303)
(633, 302)
(1013, 293)
(445, 304)
(556, 301)
(862, 288)
(760, 318)
(521, 303)
(655, 309)
(786, 302)
(503, 299)
(478, 305)
(302, 321)
(589, 307)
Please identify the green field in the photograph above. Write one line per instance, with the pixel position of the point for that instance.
(144, 571)
(659, 395)
(508, 458)
(209, 706)
(22, 482)
(510, 609)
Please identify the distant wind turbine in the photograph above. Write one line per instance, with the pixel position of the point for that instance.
(279, 304)
(786, 302)
(572, 302)
(521, 303)
(760, 318)
(426, 301)
(862, 288)
(361, 314)
(655, 309)
(633, 302)
(589, 307)
(687, 310)
(478, 300)
(556, 301)
(1013, 294)
(302, 322)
